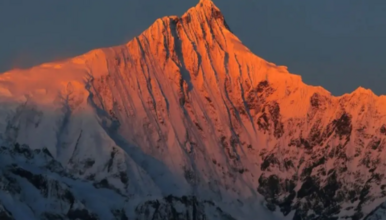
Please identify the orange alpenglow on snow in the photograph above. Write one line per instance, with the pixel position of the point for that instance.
(202, 37)
(186, 97)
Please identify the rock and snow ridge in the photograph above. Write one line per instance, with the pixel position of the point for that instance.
(185, 122)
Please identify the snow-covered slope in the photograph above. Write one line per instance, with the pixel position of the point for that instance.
(185, 121)
(36, 186)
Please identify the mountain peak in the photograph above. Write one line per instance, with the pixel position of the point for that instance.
(185, 110)
(206, 10)
(208, 7)
(206, 3)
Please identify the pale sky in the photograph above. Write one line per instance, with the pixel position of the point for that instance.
(339, 45)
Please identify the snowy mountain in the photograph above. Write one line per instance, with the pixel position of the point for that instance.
(185, 122)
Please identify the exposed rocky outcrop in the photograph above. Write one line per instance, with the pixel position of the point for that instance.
(45, 194)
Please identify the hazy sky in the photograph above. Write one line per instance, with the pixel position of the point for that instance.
(338, 44)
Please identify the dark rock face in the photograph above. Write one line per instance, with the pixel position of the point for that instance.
(45, 177)
(5, 214)
(343, 125)
(37, 180)
(270, 117)
(314, 184)
(62, 201)
(180, 208)
(256, 97)
(81, 214)
(310, 171)
(266, 114)
(383, 129)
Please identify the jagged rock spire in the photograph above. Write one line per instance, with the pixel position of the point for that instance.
(209, 10)
(206, 3)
